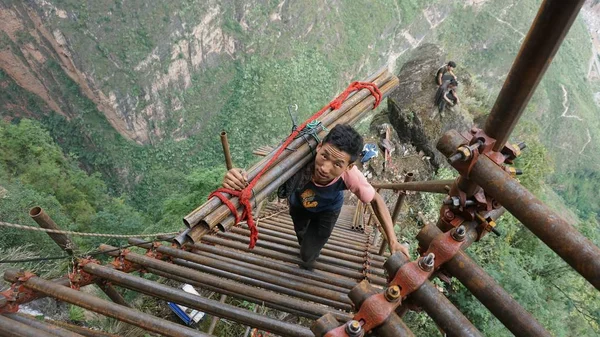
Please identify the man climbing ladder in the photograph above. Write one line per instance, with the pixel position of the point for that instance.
(316, 196)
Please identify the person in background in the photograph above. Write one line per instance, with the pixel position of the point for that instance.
(446, 95)
(445, 73)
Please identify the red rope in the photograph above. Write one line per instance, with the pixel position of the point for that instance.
(245, 194)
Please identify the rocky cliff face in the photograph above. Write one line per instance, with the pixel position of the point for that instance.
(28, 46)
(411, 109)
(145, 67)
(32, 39)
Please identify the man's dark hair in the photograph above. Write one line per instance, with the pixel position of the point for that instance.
(345, 138)
(452, 64)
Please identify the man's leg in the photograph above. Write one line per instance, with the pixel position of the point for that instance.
(301, 220)
(316, 237)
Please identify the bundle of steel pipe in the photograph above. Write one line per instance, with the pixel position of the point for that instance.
(213, 213)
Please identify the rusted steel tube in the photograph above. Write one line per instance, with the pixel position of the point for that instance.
(43, 219)
(293, 240)
(334, 239)
(197, 302)
(215, 319)
(553, 21)
(257, 278)
(274, 273)
(338, 260)
(12, 328)
(226, 153)
(400, 201)
(41, 325)
(287, 258)
(266, 285)
(578, 251)
(328, 251)
(336, 235)
(112, 293)
(222, 215)
(433, 186)
(435, 304)
(83, 331)
(393, 326)
(339, 233)
(106, 308)
(276, 265)
(379, 78)
(514, 317)
(220, 283)
(241, 295)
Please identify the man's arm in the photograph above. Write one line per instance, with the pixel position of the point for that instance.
(384, 216)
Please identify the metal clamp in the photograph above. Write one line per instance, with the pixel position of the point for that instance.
(16, 294)
(78, 277)
(120, 263)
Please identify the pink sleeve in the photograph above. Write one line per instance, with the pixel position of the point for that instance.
(358, 185)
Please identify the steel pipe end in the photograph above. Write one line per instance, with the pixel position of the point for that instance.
(394, 262)
(36, 211)
(360, 293)
(324, 324)
(13, 275)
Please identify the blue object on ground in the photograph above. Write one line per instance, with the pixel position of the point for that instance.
(369, 151)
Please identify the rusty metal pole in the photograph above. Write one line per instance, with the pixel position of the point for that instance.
(393, 326)
(399, 202)
(196, 302)
(226, 284)
(274, 265)
(551, 24)
(215, 319)
(432, 186)
(67, 244)
(106, 308)
(41, 325)
(499, 302)
(43, 219)
(112, 293)
(553, 21)
(435, 304)
(578, 251)
(12, 328)
(401, 196)
(226, 153)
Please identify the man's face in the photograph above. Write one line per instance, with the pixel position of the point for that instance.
(330, 163)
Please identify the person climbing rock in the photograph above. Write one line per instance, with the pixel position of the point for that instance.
(446, 95)
(315, 193)
(445, 73)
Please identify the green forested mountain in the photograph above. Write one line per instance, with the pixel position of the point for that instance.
(112, 111)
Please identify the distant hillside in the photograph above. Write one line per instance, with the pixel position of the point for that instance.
(130, 87)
